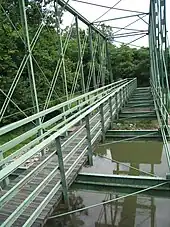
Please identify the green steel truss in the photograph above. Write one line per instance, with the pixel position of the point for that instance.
(102, 102)
(159, 55)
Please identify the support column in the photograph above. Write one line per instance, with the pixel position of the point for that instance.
(30, 65)
(28, 48)
(120, 98)
(61, 47)
(92, 57)
(5, 182)
(109, 62)
(90, 150)
(80, 56)
(124, 96)
(116, 105)
(62, 171)
(102, 122)
(111, 112)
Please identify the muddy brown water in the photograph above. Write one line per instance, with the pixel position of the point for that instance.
(133, 211)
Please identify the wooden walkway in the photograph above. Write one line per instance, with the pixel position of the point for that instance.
(34, 181)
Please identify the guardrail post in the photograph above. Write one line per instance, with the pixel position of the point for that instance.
(121, 94)
(79, 108)
(111, 112)
(64, 119)
(116, 105)
(90, 151)
(126, 93)
(5, 182)
(124, 96)
(62, 171)
(120, 99)
(102, 122)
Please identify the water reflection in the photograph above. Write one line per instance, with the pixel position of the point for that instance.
(129, 157)
(133, 211)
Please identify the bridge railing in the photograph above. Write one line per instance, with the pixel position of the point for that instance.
(104, 111)
(163, 118)
(62, 114)
(119, 90)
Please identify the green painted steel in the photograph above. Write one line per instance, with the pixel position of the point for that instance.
(96, 92)
(125, 190)
(13, 166)
(133, 133)
(90, 150)
(119, 181)
(62, 171)
(102, 104)
(159, 79)
(80, 56)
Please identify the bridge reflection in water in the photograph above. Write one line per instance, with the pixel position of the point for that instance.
(139, 210)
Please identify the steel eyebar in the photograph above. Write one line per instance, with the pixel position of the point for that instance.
(22, 122)
(20, 70)
(92, 64)
(84, 20)
(57, 69)
(11, 22)
(78, 67)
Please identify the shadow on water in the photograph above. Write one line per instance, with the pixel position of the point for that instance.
(133, 211)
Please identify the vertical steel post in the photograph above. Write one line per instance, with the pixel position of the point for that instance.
(28, 47)
(62, 171)
(80, 60)
(123, 92)
(121, 97)
(102, 61)
(116, 105)
(61, 46)
(28, 65)
(90, 150)
(5, 182)
(126, 93)
(102, 122)
(109, 66)
(92, 57)
(111, 112)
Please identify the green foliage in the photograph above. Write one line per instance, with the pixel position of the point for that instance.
(125, 61)
(130, 62)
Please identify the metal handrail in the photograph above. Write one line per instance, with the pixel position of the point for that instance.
(13, 166)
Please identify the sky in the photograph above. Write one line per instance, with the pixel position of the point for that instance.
(94, 12)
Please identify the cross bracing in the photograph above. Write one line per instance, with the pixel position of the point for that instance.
(90, 99)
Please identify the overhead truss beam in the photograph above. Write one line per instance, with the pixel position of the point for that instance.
(109, 7)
